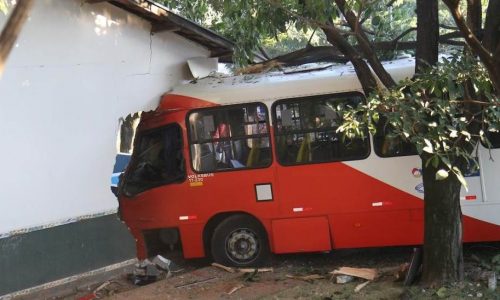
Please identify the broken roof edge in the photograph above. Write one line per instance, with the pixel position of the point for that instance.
(162, 19)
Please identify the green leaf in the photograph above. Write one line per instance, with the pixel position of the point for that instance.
(460, 178)
(3, 7)
(435, 161)
(446, 161)
(442, 292)
(428, 146)
(441, 175)
(496, 259)
(466, 134)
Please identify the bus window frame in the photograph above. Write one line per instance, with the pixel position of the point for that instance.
(222, 108)
(138, 140)
(493, 147)
(306, 99)
(379, 153)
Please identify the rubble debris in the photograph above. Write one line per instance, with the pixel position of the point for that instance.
(365, 273)
(177, 271)
(148, 271)
(195, 282)
(141, 280)
(228, 269)
(403, 270)
(106, 289)
(259, 68)
(492, 281)
(236, 288)
(258, 270)
(143, 264)
(360, 286)
(88, 297)
(162, 263)
(341, 279)
(152, 270)
(251, 277)
(307, 278)
(399, 272)
(102, 286)
(242, 270)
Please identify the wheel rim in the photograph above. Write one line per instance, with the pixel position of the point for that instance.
(242, 245)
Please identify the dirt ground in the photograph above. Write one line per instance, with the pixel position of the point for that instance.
(197, 279)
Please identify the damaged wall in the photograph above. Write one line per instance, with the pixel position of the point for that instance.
(75, 70)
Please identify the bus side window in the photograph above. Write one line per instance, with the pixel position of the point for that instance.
(306, 130)
(494, 138)
(239, 139)
(386, 144)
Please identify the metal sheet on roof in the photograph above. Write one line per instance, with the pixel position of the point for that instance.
(268, 87)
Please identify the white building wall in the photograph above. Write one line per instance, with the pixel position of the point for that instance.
(76, 68)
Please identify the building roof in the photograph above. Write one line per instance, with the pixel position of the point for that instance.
(164, 20)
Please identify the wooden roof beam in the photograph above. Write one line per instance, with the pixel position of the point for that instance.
(164, 26)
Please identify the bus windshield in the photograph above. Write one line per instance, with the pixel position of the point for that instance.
(157, 160)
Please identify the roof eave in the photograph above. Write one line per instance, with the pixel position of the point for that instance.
(162, 19)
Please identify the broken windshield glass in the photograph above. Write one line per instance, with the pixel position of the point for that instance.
(157, 160)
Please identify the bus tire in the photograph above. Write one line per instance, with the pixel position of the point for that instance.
(240, 241)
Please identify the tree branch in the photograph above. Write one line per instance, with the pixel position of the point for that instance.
(404, 33)
(444, 26)
(333, 35)
(474, 15)
(473, 42)
(390, 3)
(477, 102)
(12, 29)
(364, 45)
(311, 54)
(363, 72)
(491, 39)
(264, 53)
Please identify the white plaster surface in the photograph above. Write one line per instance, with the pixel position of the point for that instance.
(75, 70)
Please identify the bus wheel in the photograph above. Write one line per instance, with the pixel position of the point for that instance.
(240, 241)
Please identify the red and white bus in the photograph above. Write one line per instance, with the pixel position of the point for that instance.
(240, 167)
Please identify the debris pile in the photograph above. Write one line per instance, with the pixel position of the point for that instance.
(106, 289)
(149, 271)
(347, 274)
(242, 270)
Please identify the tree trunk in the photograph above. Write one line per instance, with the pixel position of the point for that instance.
(491, 40)
(443, 256)
(427, 34)
(12, 29)
(474, 15)
(363, 71)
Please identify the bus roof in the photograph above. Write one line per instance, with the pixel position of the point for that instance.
(268, 87)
